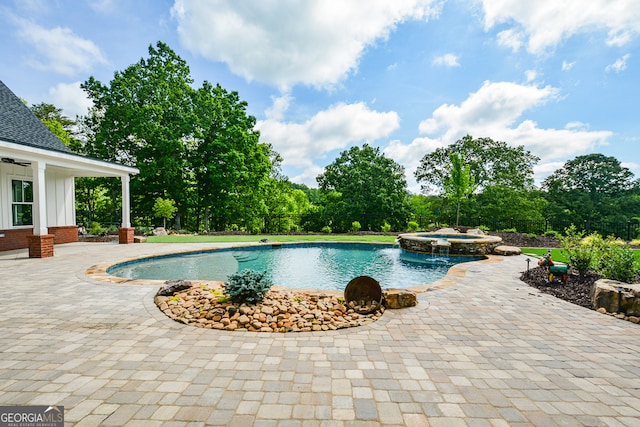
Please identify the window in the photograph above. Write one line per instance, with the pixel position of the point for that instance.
(22, 202)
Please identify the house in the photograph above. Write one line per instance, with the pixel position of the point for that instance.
(37, 192)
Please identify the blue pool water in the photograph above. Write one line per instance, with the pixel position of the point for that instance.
(305, 266)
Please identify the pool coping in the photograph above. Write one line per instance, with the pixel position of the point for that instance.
(98, 272)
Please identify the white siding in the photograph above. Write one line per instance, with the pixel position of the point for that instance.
(60, 199)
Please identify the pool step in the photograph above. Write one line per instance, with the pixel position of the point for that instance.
(244, 257)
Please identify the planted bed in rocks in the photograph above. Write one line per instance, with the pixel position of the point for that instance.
(279, 311)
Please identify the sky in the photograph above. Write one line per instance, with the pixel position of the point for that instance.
(561, 78)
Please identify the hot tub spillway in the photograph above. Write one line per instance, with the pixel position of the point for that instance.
(473, 242)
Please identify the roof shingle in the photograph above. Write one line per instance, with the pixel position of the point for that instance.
(19, 125)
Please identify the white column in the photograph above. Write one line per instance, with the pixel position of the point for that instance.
(39, 199)
(126, 203)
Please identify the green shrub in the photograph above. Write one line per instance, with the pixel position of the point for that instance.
(355, 226)
(412, 226)
(580, 252)
(248, 286)
(386, 227)
(615, 260)
(326, 229)
(552, 233)
(96, 229)
(509, 230)
(484, 228)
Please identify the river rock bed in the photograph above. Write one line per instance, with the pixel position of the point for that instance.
(279, 311)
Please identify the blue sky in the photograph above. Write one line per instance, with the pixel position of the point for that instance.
(320, 76)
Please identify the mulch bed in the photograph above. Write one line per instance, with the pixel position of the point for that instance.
(577, 290)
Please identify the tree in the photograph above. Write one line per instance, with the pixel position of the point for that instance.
(62, 126)
(590, 187)
(459, 184)
(363, 185)
(144, 117)
(490, 162)
(165, 209)
(231, 166)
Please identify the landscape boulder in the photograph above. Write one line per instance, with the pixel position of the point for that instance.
(399, 298)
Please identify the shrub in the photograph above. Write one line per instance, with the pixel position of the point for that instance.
(386, 227)
(326, 229)
(248, 286)
(580, 252)
(355, 226)
(412, 226)
(552, 233)
(96, 229)
(509, 230)
(615, 260)
(484, 228)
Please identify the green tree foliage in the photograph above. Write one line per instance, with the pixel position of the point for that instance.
(592, 187)
(165, 209)
(231, 166)
(61, 125)
(460, 184)
(503, 202)
(144, 117)
(491, 163)
(196, 147)
(363, 185)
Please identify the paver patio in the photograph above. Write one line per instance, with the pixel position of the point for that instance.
(485, 351)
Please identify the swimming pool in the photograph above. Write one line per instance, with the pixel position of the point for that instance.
(327, 266)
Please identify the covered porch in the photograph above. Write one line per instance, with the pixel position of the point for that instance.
(37, 197)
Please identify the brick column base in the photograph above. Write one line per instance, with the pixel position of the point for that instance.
(125, 235)
(41, 246)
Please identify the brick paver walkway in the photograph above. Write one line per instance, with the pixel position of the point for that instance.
(485, 351)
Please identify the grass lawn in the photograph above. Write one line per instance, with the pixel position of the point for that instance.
(275, 238)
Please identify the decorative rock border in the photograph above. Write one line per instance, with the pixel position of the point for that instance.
(619, 299)
(279, 311)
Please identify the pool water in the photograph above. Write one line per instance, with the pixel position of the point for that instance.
(304, 266)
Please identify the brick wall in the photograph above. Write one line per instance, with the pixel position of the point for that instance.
(64, 234)
(15, 239)
(41, 246)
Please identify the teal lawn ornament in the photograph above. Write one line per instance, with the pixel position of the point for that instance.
(558, 270)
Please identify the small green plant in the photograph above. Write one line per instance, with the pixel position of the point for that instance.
(484, 228)
(615, 260)
(580, 252)
(412, 226)
(386, 227)
(355, 226)
(96, 229)
(552, 233)
(248, 286)
(326, 229)
(509, 230)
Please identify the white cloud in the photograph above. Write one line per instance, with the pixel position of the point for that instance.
(103, 6)
(530, 75)
(71, 98)
(619, 65)
(511, 39)
(543, 24)
(566, 66)
(446, 60)
(496, 111)
(60, 50)
(284, 43)
(339, 126)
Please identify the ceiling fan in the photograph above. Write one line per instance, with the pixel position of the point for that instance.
(13, 162)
